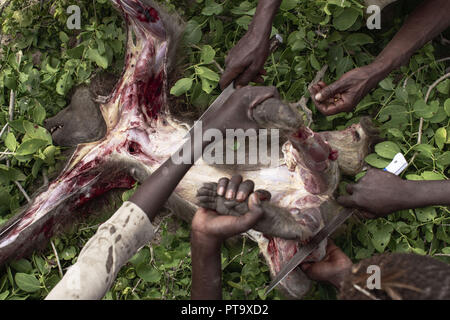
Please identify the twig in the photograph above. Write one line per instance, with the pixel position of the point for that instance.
(365, 292)
(419, 133)
(23, 191)
(3, 129)
(134, 288)
(57, 259)
(442, 254)
(421, 68)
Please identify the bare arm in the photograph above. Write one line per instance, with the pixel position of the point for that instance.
(380, 193)
(425, 23)
(246, 60)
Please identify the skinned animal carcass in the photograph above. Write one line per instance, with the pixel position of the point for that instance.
(141, 134)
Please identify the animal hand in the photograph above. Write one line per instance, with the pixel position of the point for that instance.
(245, 62)
(378, 193)
(331, 269)
(236, 112)
(344, 94)
(211, 226)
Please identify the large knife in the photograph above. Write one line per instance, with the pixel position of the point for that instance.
(275, 41)
(307, 249)
(397, 166)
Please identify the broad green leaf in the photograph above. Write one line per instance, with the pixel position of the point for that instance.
(314, 63)
(4, 295)
(387, 84)
(426, 149)
(39, 114)
(64, 83)
(421, 109)
(440, 137)
(68, 253)
(141, 257)
(381, 237)
(95, 56)
(212, 8)
(444, 87)
(27, 282)
(193, 32)
(287, 5)
(447, 106)
(346, 19)
(206, 73)
(376, 161)
(36, 132)
(244, 21)
(8, 174)
(444, 159)
(207, 54)
(208, 85)
(387, 149)
(63, 36)
(11, 142)
(430, 175)
(22, 265)
(358, 39)
(148, 273)
(30, 146)
(181, 86)
(426, 214)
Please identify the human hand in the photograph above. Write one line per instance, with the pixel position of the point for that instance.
(378, 193)
(245, 61)
(344, 94)
(332, 268)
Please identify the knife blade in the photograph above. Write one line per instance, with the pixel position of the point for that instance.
(307, 249)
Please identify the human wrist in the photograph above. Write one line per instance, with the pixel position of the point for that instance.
(338, 280)
(208, 243)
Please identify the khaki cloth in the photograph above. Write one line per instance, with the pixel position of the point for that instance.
(98, 263)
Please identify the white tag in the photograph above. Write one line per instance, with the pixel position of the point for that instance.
(397, 165)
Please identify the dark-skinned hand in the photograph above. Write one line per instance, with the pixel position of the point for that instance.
(236, 112)
(245, 61)
(332, 269)
(211, 226)
(378, 194)
(344, 94)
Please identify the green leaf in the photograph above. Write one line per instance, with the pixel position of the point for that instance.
(358, 39)
(314, 63)
(208, 86)
(212, 8)
(68, 253)
(426, 214)
(430, 175)
(63, 36)
(206, 73)
(181, 86)
(30, 146)
(22, 265)
(64, 83)
(387, 149)
(440, 137)
(376, 161)
(95, 56)
(387, 84)
(27, 282)
(11, 142)
(287, 5)
(426, 111)
(444, 159)
(207, 54)
(36, 132)
(346, 19)
(141, 257)
(381, 237)
(447, 106)
(148, 273)
(193, 32)
(39, 114)
(444, 87)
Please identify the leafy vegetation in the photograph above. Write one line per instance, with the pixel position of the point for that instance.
(44, 60)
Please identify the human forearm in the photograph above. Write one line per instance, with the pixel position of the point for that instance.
(261, 24)
(425, 23)
(418, 194)
(206, 268)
